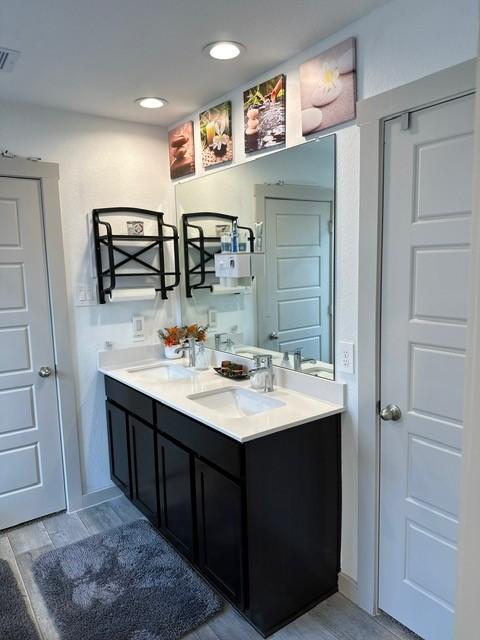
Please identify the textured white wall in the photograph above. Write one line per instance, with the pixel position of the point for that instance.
(397, 43)
(102, 163)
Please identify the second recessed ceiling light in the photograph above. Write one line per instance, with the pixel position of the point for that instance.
(223, 50)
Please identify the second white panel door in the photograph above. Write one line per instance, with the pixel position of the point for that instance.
(427, 212)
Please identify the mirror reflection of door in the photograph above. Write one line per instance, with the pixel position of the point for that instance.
(294, 294)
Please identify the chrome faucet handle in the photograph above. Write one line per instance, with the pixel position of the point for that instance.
(218, 339)
(257, 359)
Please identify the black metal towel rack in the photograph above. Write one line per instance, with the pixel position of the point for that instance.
(198, 242)
(109, 240)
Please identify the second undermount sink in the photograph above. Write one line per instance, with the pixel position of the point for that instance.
(161, 372)
(234, 402)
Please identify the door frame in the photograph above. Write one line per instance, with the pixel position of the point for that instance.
(47, 174)
(372, 113)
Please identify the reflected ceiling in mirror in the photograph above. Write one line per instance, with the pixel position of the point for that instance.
(278, 297)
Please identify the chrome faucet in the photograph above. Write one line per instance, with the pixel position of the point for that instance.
(188, 346)
(264, 363)
(298, 360)
(228, 342)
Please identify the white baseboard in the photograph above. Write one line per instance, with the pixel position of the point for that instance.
(100, 495)
(347, 586)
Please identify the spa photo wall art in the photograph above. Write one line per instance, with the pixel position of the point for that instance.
(181, 150)
(264, 114)
(216, 134)
(328, 87)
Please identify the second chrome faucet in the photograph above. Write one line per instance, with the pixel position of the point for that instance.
(262, 374)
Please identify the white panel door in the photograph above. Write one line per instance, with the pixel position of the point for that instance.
(31, 469)
(427, 213)
(297, 287)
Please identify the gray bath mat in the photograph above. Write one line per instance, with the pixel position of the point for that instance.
(15, 623)
(125, 584)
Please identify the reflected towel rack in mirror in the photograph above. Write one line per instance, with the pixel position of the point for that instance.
(198, 271)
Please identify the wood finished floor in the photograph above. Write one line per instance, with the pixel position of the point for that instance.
(335, 619)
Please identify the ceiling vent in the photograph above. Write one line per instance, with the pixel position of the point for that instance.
(8, 58)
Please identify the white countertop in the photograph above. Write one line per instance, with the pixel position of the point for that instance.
(298, 408)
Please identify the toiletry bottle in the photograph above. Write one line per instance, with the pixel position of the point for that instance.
(258, 247)
(242, 241)
(234, 236)
(286, 360)
(201, 361)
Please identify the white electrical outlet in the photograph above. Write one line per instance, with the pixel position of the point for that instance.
(212, 318)
(138, 326)
(346, 351)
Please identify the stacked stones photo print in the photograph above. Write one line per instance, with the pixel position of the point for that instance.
(181, 150)
(264, 112)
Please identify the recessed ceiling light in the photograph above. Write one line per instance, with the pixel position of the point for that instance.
(223, 50)
(151, 103)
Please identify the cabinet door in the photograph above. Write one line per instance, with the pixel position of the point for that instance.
(176, 495)
(220, 527)
(144, 472)
(117, 427)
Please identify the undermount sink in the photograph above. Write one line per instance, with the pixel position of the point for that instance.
(160, 372)
(234, 402)
(247, 353)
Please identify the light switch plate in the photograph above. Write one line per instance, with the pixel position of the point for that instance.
(346, 351)
(85, 295)
(212, 318)
(138, 327)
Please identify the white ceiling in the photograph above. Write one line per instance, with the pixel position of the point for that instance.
(97, 56)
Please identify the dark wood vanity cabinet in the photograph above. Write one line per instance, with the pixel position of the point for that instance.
(260, 520)
(143, 467)
(220, 531)
(118, 443)
(176, 495)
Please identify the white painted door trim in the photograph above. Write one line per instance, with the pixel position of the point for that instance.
(468, 590)
(371, 114)
(48, 175)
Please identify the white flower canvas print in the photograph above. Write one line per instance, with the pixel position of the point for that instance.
(216, 134)
(328, 88)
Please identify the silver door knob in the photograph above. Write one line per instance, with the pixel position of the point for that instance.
(273, 335)
(45, 372)
(391, 412)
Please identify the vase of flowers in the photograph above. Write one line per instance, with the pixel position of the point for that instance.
(174, 337)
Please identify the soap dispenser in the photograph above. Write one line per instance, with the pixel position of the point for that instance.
(201, 362)
(286, 360)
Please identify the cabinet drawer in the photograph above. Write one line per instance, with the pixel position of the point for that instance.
(135, 402)
(202, 440)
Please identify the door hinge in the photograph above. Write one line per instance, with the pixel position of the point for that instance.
(405, 121)
(330, 226)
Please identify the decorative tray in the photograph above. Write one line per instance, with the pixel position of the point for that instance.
(231, 375)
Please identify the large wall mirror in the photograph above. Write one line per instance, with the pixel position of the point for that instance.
(281, 299)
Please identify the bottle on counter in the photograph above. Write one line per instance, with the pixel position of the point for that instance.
(201, 360)
(234, 237)
(286, 360)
